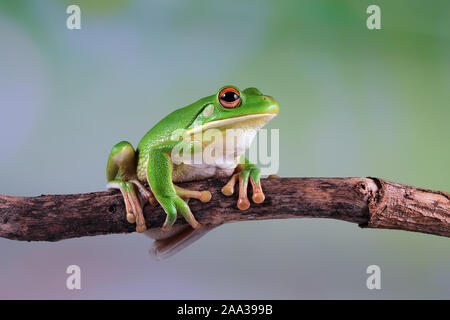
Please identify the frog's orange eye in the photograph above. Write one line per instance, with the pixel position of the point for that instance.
(229, 98)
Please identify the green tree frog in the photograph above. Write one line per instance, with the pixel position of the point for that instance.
(149, 174)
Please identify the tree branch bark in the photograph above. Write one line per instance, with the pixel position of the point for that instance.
(369, 202)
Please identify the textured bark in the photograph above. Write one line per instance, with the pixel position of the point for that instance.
(369, 202)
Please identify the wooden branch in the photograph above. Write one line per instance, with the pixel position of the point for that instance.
(369, 202)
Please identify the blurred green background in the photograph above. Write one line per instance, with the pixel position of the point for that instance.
(354, 102)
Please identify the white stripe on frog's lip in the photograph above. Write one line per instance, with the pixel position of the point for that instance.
(228, 121)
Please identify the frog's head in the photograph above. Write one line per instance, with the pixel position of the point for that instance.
(233, 108)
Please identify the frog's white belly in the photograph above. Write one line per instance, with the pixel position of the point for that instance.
(185, 172)
(217, 164)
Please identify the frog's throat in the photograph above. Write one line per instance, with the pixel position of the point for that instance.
(250, 121)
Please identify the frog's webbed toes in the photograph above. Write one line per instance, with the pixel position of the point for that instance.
(243, 176)
(133, 206)
(228, 189)
(174, 204)
(137, 211)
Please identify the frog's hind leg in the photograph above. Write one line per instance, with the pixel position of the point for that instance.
(121, 174)
(186, 194)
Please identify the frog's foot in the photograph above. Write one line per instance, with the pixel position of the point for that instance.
(172, 205)
(203, 196)
(133, 204)
(243, 177)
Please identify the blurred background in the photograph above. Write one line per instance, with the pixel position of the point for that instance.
(354, 102)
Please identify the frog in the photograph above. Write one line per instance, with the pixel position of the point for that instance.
(150, 173)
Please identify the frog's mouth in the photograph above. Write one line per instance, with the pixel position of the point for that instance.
(250, 121)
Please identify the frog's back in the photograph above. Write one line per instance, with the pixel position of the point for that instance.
(162, 131)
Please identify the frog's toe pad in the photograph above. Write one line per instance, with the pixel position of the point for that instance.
(131, 217)
(258, 197)
(228, 190)
(243, 204)
(141, 228)
(205, 196)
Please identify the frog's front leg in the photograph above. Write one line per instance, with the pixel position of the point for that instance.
(245, 171)
(159, 174)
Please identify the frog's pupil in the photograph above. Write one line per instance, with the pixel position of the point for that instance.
(230, 96)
